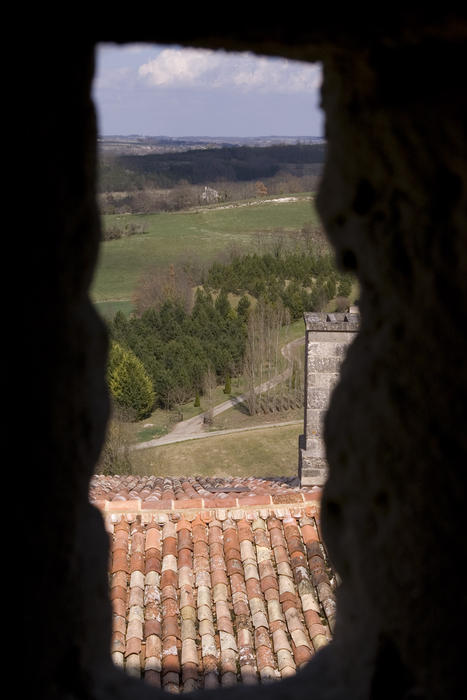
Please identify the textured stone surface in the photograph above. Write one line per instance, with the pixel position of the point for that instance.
(393, 200)
(395, 211)
(326, 342)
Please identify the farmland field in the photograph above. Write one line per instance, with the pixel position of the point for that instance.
(196, 235)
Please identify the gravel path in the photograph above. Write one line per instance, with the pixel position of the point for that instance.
(171, 438)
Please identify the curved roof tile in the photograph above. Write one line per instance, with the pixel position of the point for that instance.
(206, 594)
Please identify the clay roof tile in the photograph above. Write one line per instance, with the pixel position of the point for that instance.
(260, 569)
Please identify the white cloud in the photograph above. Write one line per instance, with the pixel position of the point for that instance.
(179, 67)
(203, 68)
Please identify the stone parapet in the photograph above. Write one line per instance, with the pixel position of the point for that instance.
(327, 339)
(321, 321)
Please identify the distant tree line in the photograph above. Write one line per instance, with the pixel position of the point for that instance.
(150, 183)
(184, 195)
(194, 167)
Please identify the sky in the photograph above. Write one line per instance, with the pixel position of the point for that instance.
(156, 90)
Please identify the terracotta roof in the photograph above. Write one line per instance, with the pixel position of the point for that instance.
(130, 493)
(215, 595)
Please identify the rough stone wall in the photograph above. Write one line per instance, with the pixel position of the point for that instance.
(327, 337)
(57, 367)
(393, 200)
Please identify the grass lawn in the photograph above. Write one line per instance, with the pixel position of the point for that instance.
(108, 309)
(268, 452)
(160, 422)
(292, 332)
(238, 417)
(194, 235)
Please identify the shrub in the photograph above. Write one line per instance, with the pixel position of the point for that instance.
(115, 454)
(342, 304)
(344, 288)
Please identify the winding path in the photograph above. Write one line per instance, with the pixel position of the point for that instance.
(193, 428)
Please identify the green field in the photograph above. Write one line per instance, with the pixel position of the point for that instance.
(108, 309)
(238, 417)
(264, 452)
(197, 236)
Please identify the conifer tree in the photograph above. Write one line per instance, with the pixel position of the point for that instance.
(344, 288)
(129, 383)
(243, 308)
(222, 304)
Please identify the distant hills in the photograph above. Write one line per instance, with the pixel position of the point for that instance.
(136, 162)
(137, 144)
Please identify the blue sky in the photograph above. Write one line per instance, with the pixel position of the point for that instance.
(174, 91)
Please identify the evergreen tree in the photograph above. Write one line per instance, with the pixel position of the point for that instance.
(116, 355)
(222, 304)
(243, 308)
(228, 386)
(129, 383)
(344, 287)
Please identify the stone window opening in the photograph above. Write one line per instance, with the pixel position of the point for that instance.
(394, 501)
(171, 640)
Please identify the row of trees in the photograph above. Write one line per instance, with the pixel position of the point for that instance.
(184, 195)
(273, 381)
(144, 184)
(205, 166)
(301, 281)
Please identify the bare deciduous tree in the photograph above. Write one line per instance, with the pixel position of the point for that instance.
(263, 356)
(115, 454)
(342, 304)
(209, 387)
(176, 397)
(157, 286)
(261, 189)
(314, 238)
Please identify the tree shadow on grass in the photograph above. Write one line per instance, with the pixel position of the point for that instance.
(241, 407)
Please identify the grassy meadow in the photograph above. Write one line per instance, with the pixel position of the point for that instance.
(196, 235)
(263, 452)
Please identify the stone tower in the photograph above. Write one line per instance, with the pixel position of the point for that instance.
(327, 338)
